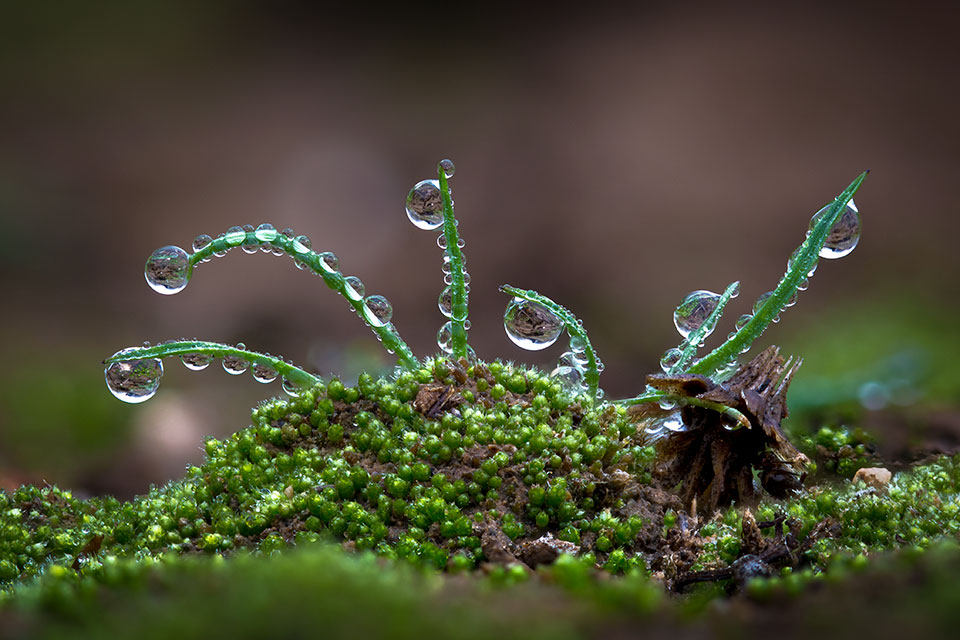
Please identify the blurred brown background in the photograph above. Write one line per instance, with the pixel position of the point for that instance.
(612, 158)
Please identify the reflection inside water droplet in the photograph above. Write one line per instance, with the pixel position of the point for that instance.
(530, 325)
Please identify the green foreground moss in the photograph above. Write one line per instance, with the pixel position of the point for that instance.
(437, 469)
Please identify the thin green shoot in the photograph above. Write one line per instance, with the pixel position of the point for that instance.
(458, 336)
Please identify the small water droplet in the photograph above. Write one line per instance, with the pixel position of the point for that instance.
(844, 235)
(743, 320)
(292, 388)
(425, 205)
(670, 359)
(166, 270)
(330, 262)
(196, 361)
(235, 365)
(354, 288)
(288, 233)
(377, 310)
(302, 244)
(530, 325)
(578, 345)
(461, 243)
(442, 243)
(250, 244)
(791, 301)
(803, 285)
(263, 373)
(444, 337)
(235, 236)
(694, 310)
(873, 395)
(448, 279)
(266, 232)
(202, 241)
(446, 165)
(571, 359)
(445, 302)
(133, 381)
(570, 378)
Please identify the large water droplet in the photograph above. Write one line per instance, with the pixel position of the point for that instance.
(444, 337)
(446, 165)
(234, 236)
(250, 242)
(196, 361)
(425, 205)
(235, 365)
(166, 270)
(670, 359)
(530, 325)
(761, 300)
(329, 262)
(354, 288)
(266, 232)
(263, 373)
(445, 302)
(694, 311)
(134, 381)
(377, 310)
(844, 235)
(743, 320)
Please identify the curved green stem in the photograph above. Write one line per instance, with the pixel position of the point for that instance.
(294, 374)
(591, 374)
(333, 279)
(688, 348)
(657, 396)
(458, 336)
(806, 258)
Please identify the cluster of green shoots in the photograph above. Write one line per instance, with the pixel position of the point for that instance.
(531, 320)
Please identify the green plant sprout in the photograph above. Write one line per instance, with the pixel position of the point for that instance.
(532, 321)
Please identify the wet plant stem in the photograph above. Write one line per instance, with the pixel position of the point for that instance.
(290, 372)
(333, 278)
(458, 335)
(805, 259)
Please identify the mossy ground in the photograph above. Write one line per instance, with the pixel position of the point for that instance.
(490, 474)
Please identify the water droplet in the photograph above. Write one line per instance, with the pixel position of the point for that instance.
(446, 165)
(196, 361)
(445, 302)
(667, 404)
(330, 262)
(577, 344)
(461, 243)
(377, 310)
(670, 359)
(674, 422)
(844, 235)
(235, 365)
(133, 381)
(250, 244)
(448, 279)
(571, 359)
(302, 244)
(743, 320)
(694, 311)
(235, 236)
(354, 288)
(570, 378)
(530, 325)
(266, 232)
(292, 388)
(288, 233)
(425, 205)
(600, 366)
(201, 242)
(442, 242)
(263, 373)
(166, 270)
(792, 300)
(804, 285)
(444, 337)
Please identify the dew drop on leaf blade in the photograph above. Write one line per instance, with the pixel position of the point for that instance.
(196, 361)
(263, 373)
(377, 310)
(133, 381)
(266, 232)
(354, 288)
(530, 325)
(446, 165)
(166, 270)
(444, 337)
(693, 312)
(235, 236)
(425, 205)
(845, 234)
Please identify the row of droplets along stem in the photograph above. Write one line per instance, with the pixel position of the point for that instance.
(429, 206)
(169, 269)
(133, 375)
(534, 322)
